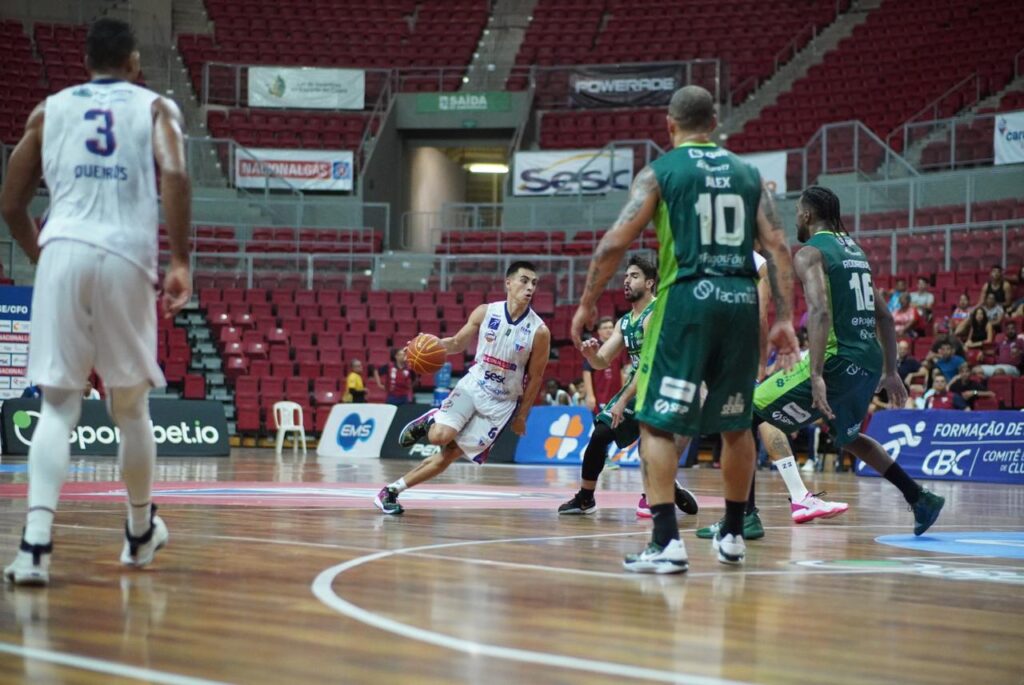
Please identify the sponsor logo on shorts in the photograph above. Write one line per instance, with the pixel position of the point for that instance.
(703, 290)
(734, 406)
(852, 370)
(668, 407)
(677, 389)
(779, 417)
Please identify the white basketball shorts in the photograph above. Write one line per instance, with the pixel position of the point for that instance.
(478, 417)
(92, 309)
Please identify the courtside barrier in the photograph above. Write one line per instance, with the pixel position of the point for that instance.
(182, 428)
(357, 431)
(952, 445)
(502, 451)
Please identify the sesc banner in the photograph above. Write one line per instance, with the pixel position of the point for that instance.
(300, 169)
(356, 431)
(772, 166)
(568, 172)
(182, 428)
(632, 86)
(1008, 138)
(952, 445)
(307, 88)
(15, 328)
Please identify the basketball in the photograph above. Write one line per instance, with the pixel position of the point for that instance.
(425, 354)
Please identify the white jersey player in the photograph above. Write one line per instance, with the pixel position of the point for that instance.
(94, 304)
(511, 354)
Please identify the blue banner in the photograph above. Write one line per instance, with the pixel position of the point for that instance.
(555, 435)
(15, 328)
(952, 445)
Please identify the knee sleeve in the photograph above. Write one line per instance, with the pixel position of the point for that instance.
(597, 451)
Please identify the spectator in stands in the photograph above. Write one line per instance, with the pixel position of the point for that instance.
(1009, 354)
(601, 386)
(1017, 308)
(894, 297)
(960, 313)
(969, 386)
(998, 287)
(977, 330)
(355, 388)
(577, 393)
(940, 396)
(399, 378)
(944, 362)
(922, 298)
(32, 392)
(555, 395)
(995, 311)
(906, 318)
(958, 345)
(90, 393)
(905, 362)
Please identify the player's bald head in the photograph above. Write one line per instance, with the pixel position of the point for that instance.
(692, 108)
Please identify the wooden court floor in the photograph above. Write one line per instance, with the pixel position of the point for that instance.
(284, 572)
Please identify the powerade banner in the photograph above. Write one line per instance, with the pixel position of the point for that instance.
(301, 169)
(182, 428)
(356, 430)
(1008, 138)
(15, 328)
(568, 172)
(502, 451)
(633, 86)
(952, 445)
(307, 88)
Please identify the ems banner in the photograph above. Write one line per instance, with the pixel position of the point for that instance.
(568, 172)
(15, 327)
(628, 86)
(772, 166)
(952, 445)
(182, 428)
(1008, 138)
(307, 88)
(299, 169)
(356, 431)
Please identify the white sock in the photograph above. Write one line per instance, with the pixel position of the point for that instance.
(48, 459)
(791, 476)
(399, 485)
(130, 410)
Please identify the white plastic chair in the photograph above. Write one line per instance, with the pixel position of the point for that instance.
(288, 417)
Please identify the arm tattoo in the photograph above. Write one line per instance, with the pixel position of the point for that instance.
(644, 183)
(771, 212)
(781, 311)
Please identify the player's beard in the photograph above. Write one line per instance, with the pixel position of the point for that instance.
(803, 232)
(633, 295)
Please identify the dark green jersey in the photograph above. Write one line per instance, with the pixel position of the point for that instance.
(633, 333)
(851, 297)
(707, 218)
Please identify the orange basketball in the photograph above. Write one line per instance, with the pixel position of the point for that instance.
(425, 354)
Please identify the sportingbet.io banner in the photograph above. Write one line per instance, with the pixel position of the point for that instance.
(307, 88)
(1008, 138)
(568, 172)
(299, 169)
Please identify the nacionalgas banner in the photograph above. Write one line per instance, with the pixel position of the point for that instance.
(307, 88)
(299, 169)
(633, 86)
(568, 172)
(952, 445)
(1008, 138)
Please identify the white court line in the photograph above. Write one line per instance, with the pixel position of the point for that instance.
(86, 663)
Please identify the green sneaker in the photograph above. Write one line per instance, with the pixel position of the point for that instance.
(926, 509)
(752, 528)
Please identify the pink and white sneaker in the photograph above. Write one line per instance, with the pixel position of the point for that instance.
(643, 510)
(810, 508)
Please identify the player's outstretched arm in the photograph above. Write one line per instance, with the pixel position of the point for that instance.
(24, 171)
(763, 293)
(775, 250)
(535, 377)
(810, 269)
(635, 215)
(601, 355)
(885, 328)
(467, 334)
(176, 195)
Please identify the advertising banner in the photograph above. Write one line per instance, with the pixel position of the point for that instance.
(300, 169)
(555, 435)
(630, 86)
(772, 166)
(307, 88)
(356, 430)
(502, 451)
(15, 328)
(952, 445)
(1008, 138)
(462, 102)
(182, 428)
(557, 172)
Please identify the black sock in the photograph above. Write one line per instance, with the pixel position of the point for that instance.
(751, 498)
(666, 529)
(586, 493)
(733, 518)
(597, 451)
(898, 477)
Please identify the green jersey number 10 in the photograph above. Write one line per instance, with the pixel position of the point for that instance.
(715, 228)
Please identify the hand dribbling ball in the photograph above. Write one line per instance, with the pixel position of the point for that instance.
(425, 354)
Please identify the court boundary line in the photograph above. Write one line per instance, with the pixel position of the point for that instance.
(88, 663)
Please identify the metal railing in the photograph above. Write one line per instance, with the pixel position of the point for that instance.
(904, 251)
(1018, 64)
(963, 93)
(953, 143)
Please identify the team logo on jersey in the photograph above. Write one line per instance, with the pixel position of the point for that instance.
(493, 323)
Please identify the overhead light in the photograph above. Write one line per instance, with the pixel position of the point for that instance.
(487, 168)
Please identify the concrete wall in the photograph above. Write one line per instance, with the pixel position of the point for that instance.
(433, 181)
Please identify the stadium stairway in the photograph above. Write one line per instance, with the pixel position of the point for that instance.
(206, 359)
(496, 54)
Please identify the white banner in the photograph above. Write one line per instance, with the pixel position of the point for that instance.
(567, 172)
(307, 88)
(1008, 138)
(356, 430)
(301, 169)
(772, 166)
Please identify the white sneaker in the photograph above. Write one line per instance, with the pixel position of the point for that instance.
(810, 508)
(31, 566)
(809, 466)
(731, 548)
(140, 551)
(657, 559)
